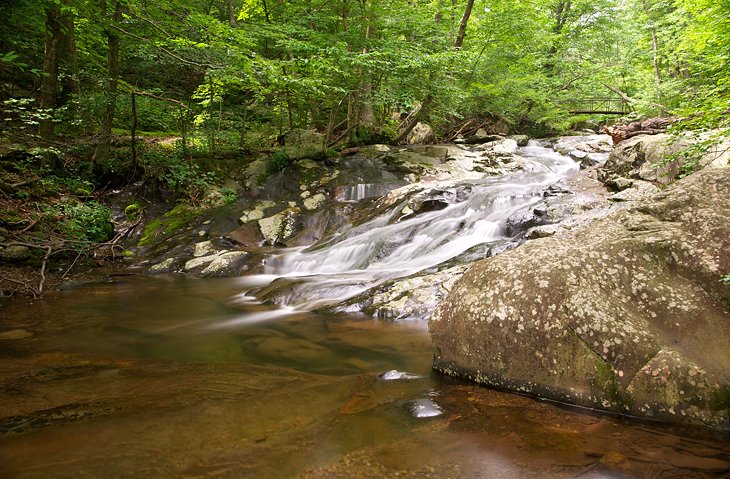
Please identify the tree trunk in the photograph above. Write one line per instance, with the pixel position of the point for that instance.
(562, 11)
(464, 23)
(414, 120)
(231, 13)
(367, 115)
(69, 57)
(49, 81)
(453, 22)
(655, 57)
(134, 131)
(105, 133)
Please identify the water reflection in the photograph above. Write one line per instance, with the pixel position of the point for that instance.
(156, 378)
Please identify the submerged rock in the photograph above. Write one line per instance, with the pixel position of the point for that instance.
(423, 408)
(627, 315)
(395, 375)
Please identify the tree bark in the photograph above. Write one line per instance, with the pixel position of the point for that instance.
(134, 130)
(49, 81)
(464, 23)
(68, 57)
(231, 13)
(105, 132)
(367, 115)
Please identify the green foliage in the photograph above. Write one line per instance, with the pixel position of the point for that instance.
(183, 177)
(86, 222)
(278, 161)
(725, 279)
(237, 84)
(229, 195)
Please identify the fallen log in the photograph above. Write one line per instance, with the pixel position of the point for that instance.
(652, 126)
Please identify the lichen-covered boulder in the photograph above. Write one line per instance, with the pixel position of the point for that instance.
(645, 157)
(300, 144)
(627, 314)
(421, 135)
(277, 229)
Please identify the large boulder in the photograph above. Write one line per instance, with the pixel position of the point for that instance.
(644, 157)
(626, 314)
(421, 135)
(300, 144)
(278, 229)
(663, 158)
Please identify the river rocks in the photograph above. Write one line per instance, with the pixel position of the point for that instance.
(586, 143)
(313, 202)
(588, 150)
(644, 157)
(15, 254)
(414, 297)
(558, 206)
(277, 229)
(433, 199)
(257, 212)
(503, 147)
(373, 151)
(165, 266)
(411, 298)
(198, 263)
(204, 248)
(637, 191)
(627, 314)
(225, 264)
(522, 140)
(482, 136)
(421, 134)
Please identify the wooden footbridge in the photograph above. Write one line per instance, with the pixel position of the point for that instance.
(599, 106)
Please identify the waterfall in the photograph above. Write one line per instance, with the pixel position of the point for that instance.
(388, 247)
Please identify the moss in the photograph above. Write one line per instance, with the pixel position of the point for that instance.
(150, 232)
(721, 398)
(179, 216)
(606, 380)
(132, 211)
(173, 220)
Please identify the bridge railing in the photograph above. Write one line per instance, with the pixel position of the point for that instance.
(598, 105)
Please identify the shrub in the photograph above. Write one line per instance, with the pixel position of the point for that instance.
(278, 161)
(86, 221)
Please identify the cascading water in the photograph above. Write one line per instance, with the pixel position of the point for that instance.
(397, 244)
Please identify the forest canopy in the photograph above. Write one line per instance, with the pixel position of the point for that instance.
(237, 73)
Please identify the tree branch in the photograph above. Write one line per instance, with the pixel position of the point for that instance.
(623, 95)
(162, 98)
(166, 51)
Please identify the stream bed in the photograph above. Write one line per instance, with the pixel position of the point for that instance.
(172, 377)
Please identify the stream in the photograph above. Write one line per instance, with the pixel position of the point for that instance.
(173, 376)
